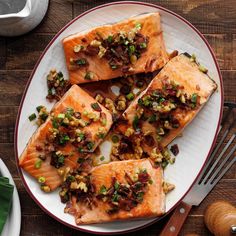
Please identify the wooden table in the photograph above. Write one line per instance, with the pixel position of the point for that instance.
(216, 19)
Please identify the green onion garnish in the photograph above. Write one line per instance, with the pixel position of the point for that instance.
(115, 139)
(32, 117)
(130, 96)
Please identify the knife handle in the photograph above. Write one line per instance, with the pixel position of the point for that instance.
(176, 221)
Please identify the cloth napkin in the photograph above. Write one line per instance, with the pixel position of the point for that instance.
(6, 192)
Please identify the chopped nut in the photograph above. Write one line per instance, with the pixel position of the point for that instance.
(129, 132)
(102, 51)
(74, 185)
(93, 116)
(203, 69)
(156, 156)
(45, 188)
(109, 104)
(121, 105)
(182, 98)
(160, 131)
(99, 98)
(167, 125)
(61, 172)
(82, 186)
(95, 43)
(139, 112)
(193, 58)
(167, 187)
(82, 123)
(115, 150)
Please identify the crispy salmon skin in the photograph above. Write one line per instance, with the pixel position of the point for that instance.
(76, 125)
(102, 177)
(131, 46)
(170, 102)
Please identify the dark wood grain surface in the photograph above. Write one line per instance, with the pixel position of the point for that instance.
(216, 19)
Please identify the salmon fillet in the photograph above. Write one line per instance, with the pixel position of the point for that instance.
(37, 156)
(182, 82)
(152, 58)
(153, 203)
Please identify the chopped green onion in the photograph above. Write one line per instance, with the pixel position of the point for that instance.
(43, 116)
(81, 135)
(70, 178)
(80, 150)
(41, 180)
(115, 139)
(135, 122)
(103, 190)
(113, 67)
(110, 39)
(55, 123)
(61, 159)
(38, 164)
(138, 26)
(102, 158)
(115, 197)
(81, 62)
(101, 135)
(194, 98)
(90, 145)
(69, 111)
(32, 117)
(104, 122)
(80, 160)
(131, 49)
(38, 108)
(96, 107)
(61, 116)
(143, 45)
(117, 185)
(152, 118)
(140, 196)
(164, 164)
(59, 75)
(130, 96)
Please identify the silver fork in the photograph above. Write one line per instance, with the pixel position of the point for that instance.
(209, 177)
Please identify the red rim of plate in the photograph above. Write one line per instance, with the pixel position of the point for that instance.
(29, 81)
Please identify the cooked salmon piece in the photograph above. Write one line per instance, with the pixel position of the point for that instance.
(76, 125)
(168, 105)
(102, 178)
(131, 46)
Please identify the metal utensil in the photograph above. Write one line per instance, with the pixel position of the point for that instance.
(210, 175)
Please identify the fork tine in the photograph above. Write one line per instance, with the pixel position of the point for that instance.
(218, 159)
(223, 172)
(222, 164)
(218, 145)
(213, 155)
